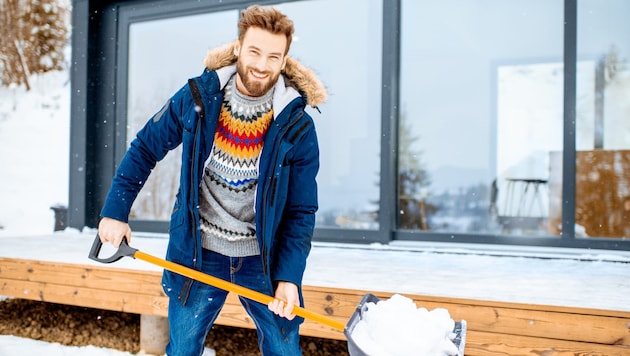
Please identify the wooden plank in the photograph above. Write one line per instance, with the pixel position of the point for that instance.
(86, 297)
(479, 343)
(541, 323)
(99, 278)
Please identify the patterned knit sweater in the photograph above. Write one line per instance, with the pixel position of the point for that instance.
(228, 190)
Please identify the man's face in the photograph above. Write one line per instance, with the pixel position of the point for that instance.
(260, 60)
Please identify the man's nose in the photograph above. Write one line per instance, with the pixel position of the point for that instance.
(260, 64)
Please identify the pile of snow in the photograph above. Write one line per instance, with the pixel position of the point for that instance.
(19, 346)
(396, 327)
(13, 345)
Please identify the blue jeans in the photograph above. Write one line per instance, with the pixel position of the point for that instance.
(189, 324)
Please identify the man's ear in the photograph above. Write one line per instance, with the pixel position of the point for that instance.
(237, 48)
(284, 63)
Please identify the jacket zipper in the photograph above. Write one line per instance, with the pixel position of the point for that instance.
(272, 185)
(185, 292)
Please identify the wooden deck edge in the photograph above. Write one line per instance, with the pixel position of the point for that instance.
(479, 343)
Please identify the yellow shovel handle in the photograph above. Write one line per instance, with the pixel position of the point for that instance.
(231, 287)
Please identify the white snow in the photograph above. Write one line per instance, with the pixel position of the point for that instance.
(34, 151)
(397, 327)
(13, 345)
(19, 346)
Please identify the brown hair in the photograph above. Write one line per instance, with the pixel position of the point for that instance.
(266, 18)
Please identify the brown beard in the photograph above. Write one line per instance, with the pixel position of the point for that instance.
(253, 87)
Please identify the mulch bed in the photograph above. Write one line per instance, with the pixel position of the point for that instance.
(79, 326)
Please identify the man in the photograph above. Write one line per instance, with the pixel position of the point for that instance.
(245, 209)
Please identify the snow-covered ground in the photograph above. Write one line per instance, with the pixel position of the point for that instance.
(34, 151)
(13, 345)
(19, 346)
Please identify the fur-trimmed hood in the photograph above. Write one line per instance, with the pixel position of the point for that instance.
(295, 74)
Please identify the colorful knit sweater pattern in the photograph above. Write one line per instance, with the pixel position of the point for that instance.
(231, 174)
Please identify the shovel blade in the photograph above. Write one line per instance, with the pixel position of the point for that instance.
(355, 350)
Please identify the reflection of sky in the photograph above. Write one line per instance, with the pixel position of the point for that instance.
(449, 76)
(452, 51)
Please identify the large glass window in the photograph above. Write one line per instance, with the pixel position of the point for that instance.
(481, 115)
(603, 119)
(163, 54)
(344, 52)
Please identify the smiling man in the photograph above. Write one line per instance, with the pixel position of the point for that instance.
(245, 209)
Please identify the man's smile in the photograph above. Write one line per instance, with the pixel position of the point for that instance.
(258, 75)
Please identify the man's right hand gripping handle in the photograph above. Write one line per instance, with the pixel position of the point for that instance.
(112, 231)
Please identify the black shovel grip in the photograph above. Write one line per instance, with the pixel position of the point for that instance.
(124, 250)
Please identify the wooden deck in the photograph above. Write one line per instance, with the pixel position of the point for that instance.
(494, 328)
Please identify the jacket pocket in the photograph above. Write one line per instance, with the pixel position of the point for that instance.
(281, 186)
(177, 216)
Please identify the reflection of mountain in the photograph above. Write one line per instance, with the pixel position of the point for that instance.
(448, 177)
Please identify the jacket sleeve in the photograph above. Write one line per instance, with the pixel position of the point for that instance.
(162, 133)
(295, 232)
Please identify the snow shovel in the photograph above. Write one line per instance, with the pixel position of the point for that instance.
(124, 250)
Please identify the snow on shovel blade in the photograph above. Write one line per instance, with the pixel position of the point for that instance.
(355, 350)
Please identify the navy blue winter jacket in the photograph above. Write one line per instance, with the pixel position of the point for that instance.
(286, 197)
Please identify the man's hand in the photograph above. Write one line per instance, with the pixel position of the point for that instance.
(286, 297)
(111, 230)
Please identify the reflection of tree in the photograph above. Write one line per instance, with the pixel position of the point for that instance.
(612, 64)
(463, 209)
(155, 201)
(607, 71)
(413, 179)
(156, 198)
(601, 187)
(34, 36)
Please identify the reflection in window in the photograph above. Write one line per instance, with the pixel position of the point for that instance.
(345, 52)
(480, 115)
(603, 119)
(160, 63)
